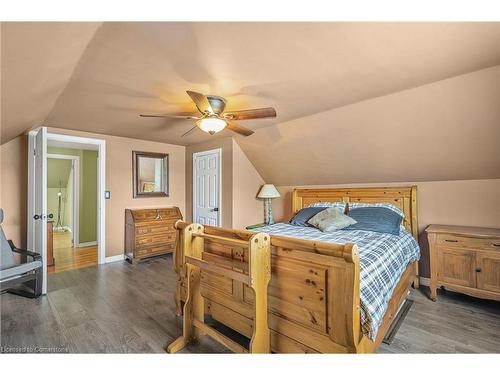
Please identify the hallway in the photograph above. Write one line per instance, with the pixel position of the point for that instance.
(67, 257)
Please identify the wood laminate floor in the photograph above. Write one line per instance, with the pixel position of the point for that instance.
(67, 257)
(117, 307)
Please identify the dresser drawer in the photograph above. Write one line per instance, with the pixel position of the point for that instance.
(156, 239)
(468, 242)
(155, 214)
(156, 229)
(154, 250)
(161, 249)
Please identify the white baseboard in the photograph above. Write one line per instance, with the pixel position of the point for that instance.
(425, 281)
(87, 244)
(115, 258)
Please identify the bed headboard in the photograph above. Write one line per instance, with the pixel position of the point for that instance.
(404, 197)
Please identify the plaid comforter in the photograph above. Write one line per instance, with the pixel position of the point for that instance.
(383, 259)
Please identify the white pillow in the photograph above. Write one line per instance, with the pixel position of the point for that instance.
(330, 220)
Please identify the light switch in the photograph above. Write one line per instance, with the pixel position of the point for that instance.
(107, 194)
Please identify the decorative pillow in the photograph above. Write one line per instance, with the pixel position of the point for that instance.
(303, 216)
(391, 207)
(375, 219)
(339, 204)
(331, 219)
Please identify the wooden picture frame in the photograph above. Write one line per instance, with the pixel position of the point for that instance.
(139, 184)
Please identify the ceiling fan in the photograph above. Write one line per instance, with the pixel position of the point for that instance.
(213, 119)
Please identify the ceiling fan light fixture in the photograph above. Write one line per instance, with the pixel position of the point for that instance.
(211, 125)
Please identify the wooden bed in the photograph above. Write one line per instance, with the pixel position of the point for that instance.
(313, 296)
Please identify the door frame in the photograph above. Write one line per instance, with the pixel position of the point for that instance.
(76, 193)
(85, 142)
(219, 167)
(31, 232)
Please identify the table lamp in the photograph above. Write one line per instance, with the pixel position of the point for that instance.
(268, 192)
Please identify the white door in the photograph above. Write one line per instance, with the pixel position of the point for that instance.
(206, 187)
(37, 197)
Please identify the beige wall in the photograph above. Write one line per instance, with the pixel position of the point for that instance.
(247, 209)
(463, 202)
(118, 181)
(14, 184)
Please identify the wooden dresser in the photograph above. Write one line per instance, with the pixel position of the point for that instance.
(465, 260)
(150, 232)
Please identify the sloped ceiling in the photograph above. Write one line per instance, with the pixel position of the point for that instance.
(448, 130)
(38, 60)
(310, 72)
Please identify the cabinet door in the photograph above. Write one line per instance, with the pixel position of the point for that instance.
(457, 267)
(488, 271)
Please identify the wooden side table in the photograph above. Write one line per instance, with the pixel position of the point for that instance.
(465, 260)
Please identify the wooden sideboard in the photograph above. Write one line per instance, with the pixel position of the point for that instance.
(465, 260)
(150, 232)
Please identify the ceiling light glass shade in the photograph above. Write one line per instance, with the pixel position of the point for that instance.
(211, 125)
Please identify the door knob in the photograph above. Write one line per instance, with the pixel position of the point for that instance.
(43, 217)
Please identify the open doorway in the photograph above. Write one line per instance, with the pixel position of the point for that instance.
(71, 207)
(40, 142)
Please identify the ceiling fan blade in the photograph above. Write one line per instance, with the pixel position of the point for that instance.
(201, 102)
(249, 114)
(238, 128)
(172, 116)
(189, 131)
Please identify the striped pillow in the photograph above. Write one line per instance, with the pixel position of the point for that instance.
(339, 204)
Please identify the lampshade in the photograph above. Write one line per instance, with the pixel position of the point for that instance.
(211, 125)
(268, 191)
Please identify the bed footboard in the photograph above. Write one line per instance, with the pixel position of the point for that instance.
(313, 296)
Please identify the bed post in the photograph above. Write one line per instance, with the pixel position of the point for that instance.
(344, 300)
(257, 279)
(194, 308)
(296, 201)
(259, 251)
(414, 229)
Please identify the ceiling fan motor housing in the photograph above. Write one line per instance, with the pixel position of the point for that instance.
(217, 103)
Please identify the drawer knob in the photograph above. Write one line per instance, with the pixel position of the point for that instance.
(478, 269)
(496, 244)
(451, 240)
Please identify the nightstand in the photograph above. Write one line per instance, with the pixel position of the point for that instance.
(255, 226)
(465, 260)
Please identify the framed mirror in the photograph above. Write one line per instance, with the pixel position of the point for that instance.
(150, 172)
